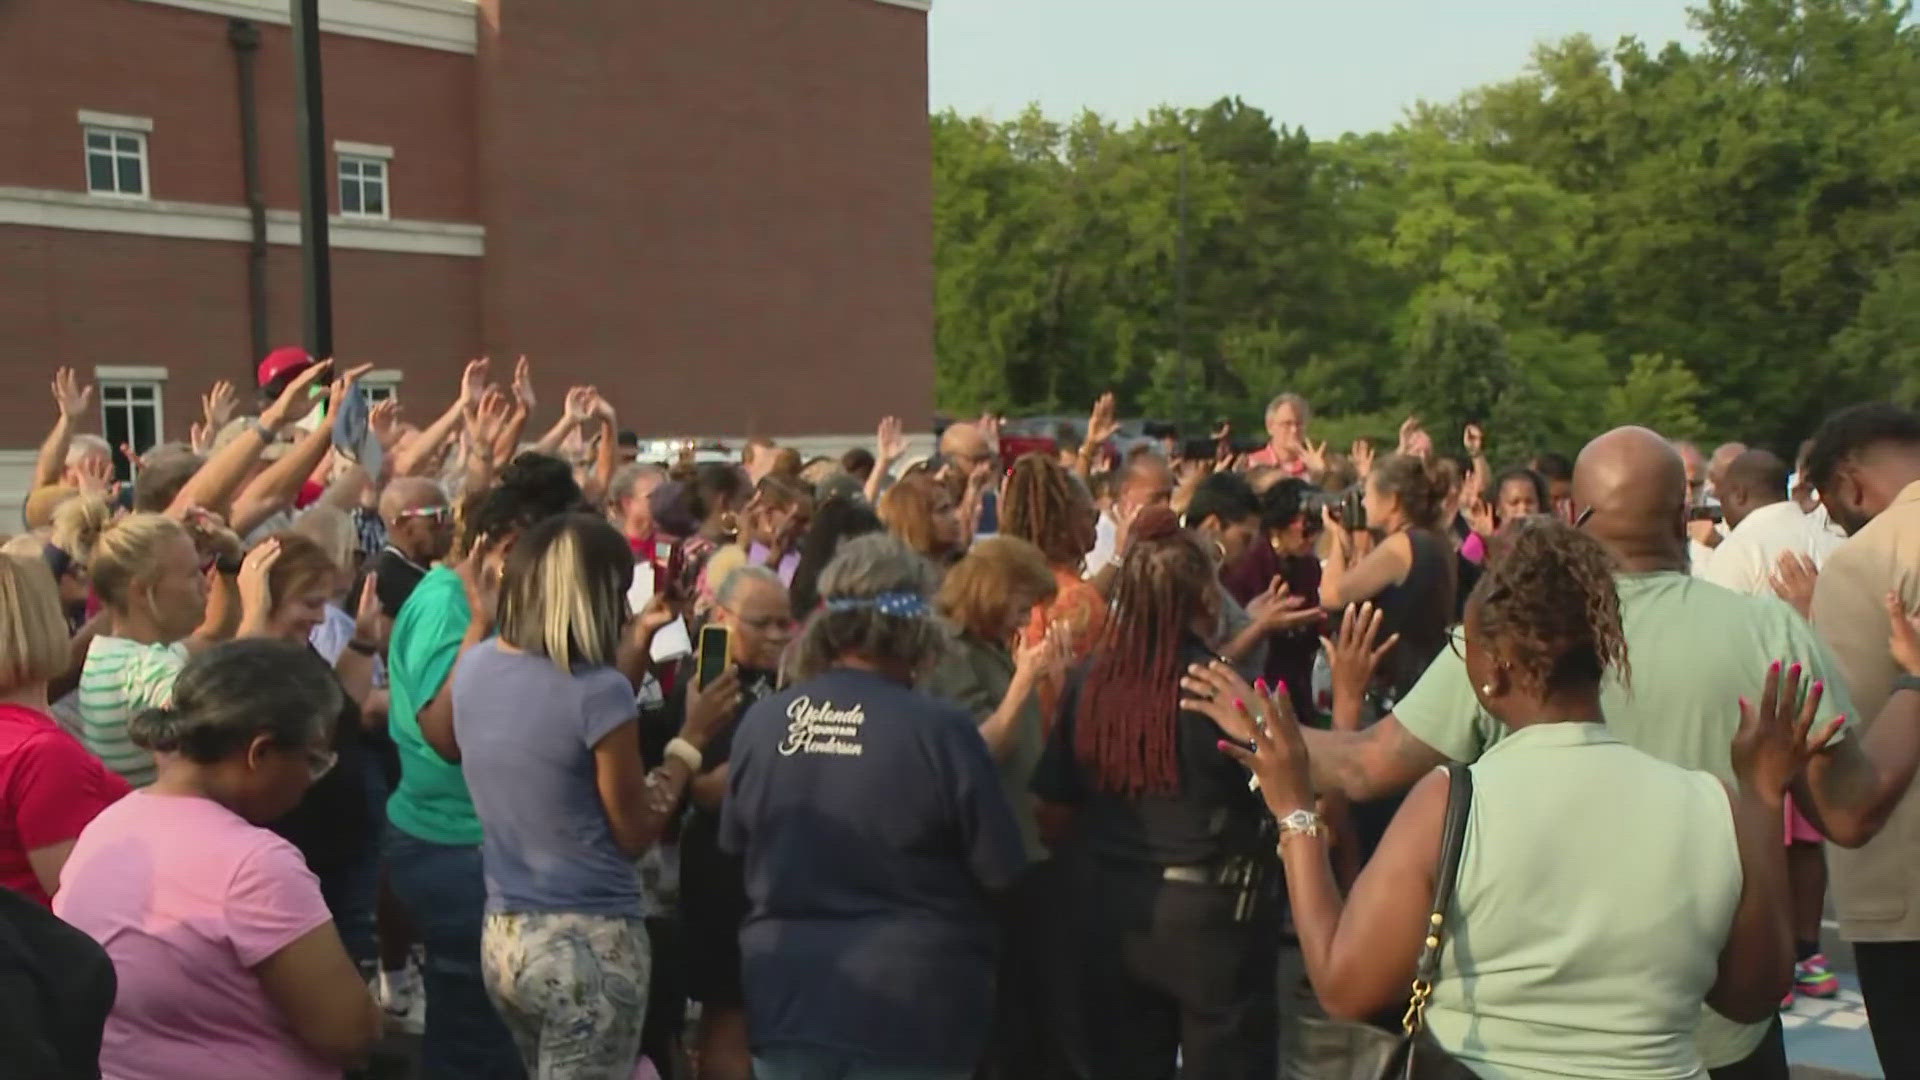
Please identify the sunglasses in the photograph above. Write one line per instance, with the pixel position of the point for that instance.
(434, 514)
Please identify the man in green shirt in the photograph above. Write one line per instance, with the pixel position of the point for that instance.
(1694, 650)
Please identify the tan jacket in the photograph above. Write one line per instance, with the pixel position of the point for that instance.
(1876, 888)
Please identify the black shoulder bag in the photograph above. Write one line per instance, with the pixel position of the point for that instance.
(1323, 1049)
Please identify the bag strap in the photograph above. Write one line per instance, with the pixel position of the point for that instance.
(1453, 837)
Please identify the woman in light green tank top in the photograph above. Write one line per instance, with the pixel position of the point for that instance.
(1602, 896)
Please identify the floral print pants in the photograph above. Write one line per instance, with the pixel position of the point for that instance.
(572, 989)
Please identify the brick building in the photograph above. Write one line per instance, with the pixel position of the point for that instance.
(718, 212)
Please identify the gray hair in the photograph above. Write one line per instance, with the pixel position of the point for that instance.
(621, 487)
(83, 446)
(737, 579)
(233, 692)
(868, 567)
(1299, 406)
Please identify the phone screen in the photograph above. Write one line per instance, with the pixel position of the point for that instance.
(715, 643)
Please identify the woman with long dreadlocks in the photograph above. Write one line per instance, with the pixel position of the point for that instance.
(1047, 506)
(1172, 938)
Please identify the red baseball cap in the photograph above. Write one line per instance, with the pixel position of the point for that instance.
(282, 364)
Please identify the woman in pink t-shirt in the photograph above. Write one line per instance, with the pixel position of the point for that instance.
(229, 964)
(50, 787)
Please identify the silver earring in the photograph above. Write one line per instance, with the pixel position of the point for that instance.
(1487, 689)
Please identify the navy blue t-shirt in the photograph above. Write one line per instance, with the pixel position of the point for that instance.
(874, 829)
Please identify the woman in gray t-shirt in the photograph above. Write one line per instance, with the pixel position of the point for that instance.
(549, 742)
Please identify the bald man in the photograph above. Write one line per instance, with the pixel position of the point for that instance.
(1764, 525)
(419, 533)
(1145, 480)
(1695, 650)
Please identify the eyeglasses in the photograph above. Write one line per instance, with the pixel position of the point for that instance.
(1457, 641)
(1580, 520)
(763, 624)
(320, 762)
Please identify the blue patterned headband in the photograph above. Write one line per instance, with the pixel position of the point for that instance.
(904, 605)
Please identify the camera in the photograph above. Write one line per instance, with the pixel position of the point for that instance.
(1347, 507)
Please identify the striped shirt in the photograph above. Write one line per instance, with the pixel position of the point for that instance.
(120, 679)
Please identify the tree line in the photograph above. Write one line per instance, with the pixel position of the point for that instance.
(1716, 241)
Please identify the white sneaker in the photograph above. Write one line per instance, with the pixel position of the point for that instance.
(403, 999)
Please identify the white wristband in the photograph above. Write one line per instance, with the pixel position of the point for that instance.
(685, 752)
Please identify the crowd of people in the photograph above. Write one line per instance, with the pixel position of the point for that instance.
(326, 725)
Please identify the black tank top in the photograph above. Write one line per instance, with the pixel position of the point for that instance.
(1419, 609)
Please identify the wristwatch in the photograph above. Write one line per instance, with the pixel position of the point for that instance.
(1301, 823)
(1906, 680)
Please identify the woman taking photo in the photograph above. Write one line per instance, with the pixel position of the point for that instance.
(230, 967)
(1557, 959)
(874, 832)
(1172, 942)
(549, 741)
(50, 787)
(1409, 574)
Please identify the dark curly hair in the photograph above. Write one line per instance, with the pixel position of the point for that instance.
(1547, 602)
(532, 488)
(1854, 430)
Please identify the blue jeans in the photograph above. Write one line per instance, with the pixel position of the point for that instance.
(443, 892)
(352, 892)
(806, 1063)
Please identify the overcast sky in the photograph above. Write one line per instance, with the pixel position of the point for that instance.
(1331, 65)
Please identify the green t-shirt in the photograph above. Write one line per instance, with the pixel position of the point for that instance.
(1694, 649)
(431, 802)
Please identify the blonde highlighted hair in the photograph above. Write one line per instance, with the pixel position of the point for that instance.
(128, 551)
(77, 525)
(908, 508)
(33, 629)
(563, 594)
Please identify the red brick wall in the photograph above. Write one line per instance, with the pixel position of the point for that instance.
(719, 211)
(81, 299)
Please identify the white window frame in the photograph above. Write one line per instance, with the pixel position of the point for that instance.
(116, 127)
(381, 384)
(364, 156)
(122, 380)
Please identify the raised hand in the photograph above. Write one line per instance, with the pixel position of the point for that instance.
(344, 385)
(1362, 454)
(711, 708)
(1352, 655)
(990, 430)
(579, 405)
(1314, 457)
(369, 621)
(889, 442)
(1102, 424)
(69, 395)
(1046, 657)
(1277, 610)
(217, 405)
(473, 383)
(1260, 729)
(523, 384)
(296, 401)
(384, 421)
(1480, 517)
(1408, 429)
(1772, 744)
(95, 475)
(1474, 439)
(1794, 578)
(256, 591)
(200, 437)
(489, 418)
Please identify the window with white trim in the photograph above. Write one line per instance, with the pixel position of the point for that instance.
(116, 162)
(378, 391)
(129, 416)
(363, 186)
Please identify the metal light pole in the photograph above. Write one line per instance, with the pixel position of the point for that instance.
(315, 258)
(1180, 293)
